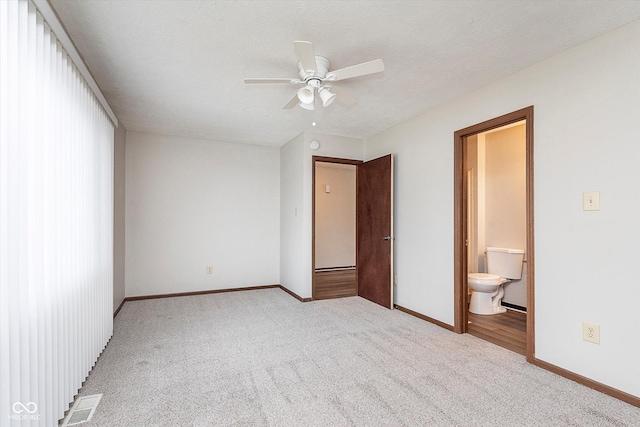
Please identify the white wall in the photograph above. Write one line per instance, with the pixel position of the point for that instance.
(506, 188)
(292, 268)
(586, 102)
(118, 216)
(194, 203)
(335, 215)
(296, 165)
(423, 210)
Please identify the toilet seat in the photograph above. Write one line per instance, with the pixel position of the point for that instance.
(486, 279)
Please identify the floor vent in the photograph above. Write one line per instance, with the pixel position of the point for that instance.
(82, 410)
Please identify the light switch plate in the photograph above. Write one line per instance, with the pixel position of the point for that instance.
(591, 201)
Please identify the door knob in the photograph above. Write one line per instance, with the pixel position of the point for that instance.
(388, 238)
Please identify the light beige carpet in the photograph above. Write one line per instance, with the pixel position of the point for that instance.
(261, 358)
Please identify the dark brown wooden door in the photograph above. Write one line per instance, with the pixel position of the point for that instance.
(375, 230)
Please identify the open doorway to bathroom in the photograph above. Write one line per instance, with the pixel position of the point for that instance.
(494, 208)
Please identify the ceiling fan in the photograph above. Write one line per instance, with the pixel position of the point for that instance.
(317, 79)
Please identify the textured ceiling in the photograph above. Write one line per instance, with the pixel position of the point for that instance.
(177, 67)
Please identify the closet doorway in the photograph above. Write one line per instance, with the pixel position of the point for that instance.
(334, 248)
(364, 221)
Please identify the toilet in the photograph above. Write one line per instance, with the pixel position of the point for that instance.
(503, 265)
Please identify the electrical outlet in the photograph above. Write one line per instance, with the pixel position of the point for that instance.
(591, 332)
(209, 269)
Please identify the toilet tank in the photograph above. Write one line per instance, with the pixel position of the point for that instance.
(505, 262)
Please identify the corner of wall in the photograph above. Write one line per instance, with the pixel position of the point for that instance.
(119, 160)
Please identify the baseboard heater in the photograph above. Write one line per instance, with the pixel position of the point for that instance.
(348, 267)
(513, 306)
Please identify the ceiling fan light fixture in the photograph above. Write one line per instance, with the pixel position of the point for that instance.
(308, 105)
(326, 95)
(305, 95)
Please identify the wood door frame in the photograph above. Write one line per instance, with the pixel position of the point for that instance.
(460, 221)
(334, 160)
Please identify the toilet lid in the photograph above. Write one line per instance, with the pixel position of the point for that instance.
(485, 279)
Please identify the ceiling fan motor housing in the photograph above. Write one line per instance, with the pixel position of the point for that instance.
(322, 67)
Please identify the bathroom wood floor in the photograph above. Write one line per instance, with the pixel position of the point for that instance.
(508, 330)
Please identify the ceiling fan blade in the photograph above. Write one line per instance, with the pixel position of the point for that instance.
(343, 96)
(271, 80)
(363, 69)
(306, 56)
(292, 102)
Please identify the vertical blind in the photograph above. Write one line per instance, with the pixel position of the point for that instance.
(56, 222)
